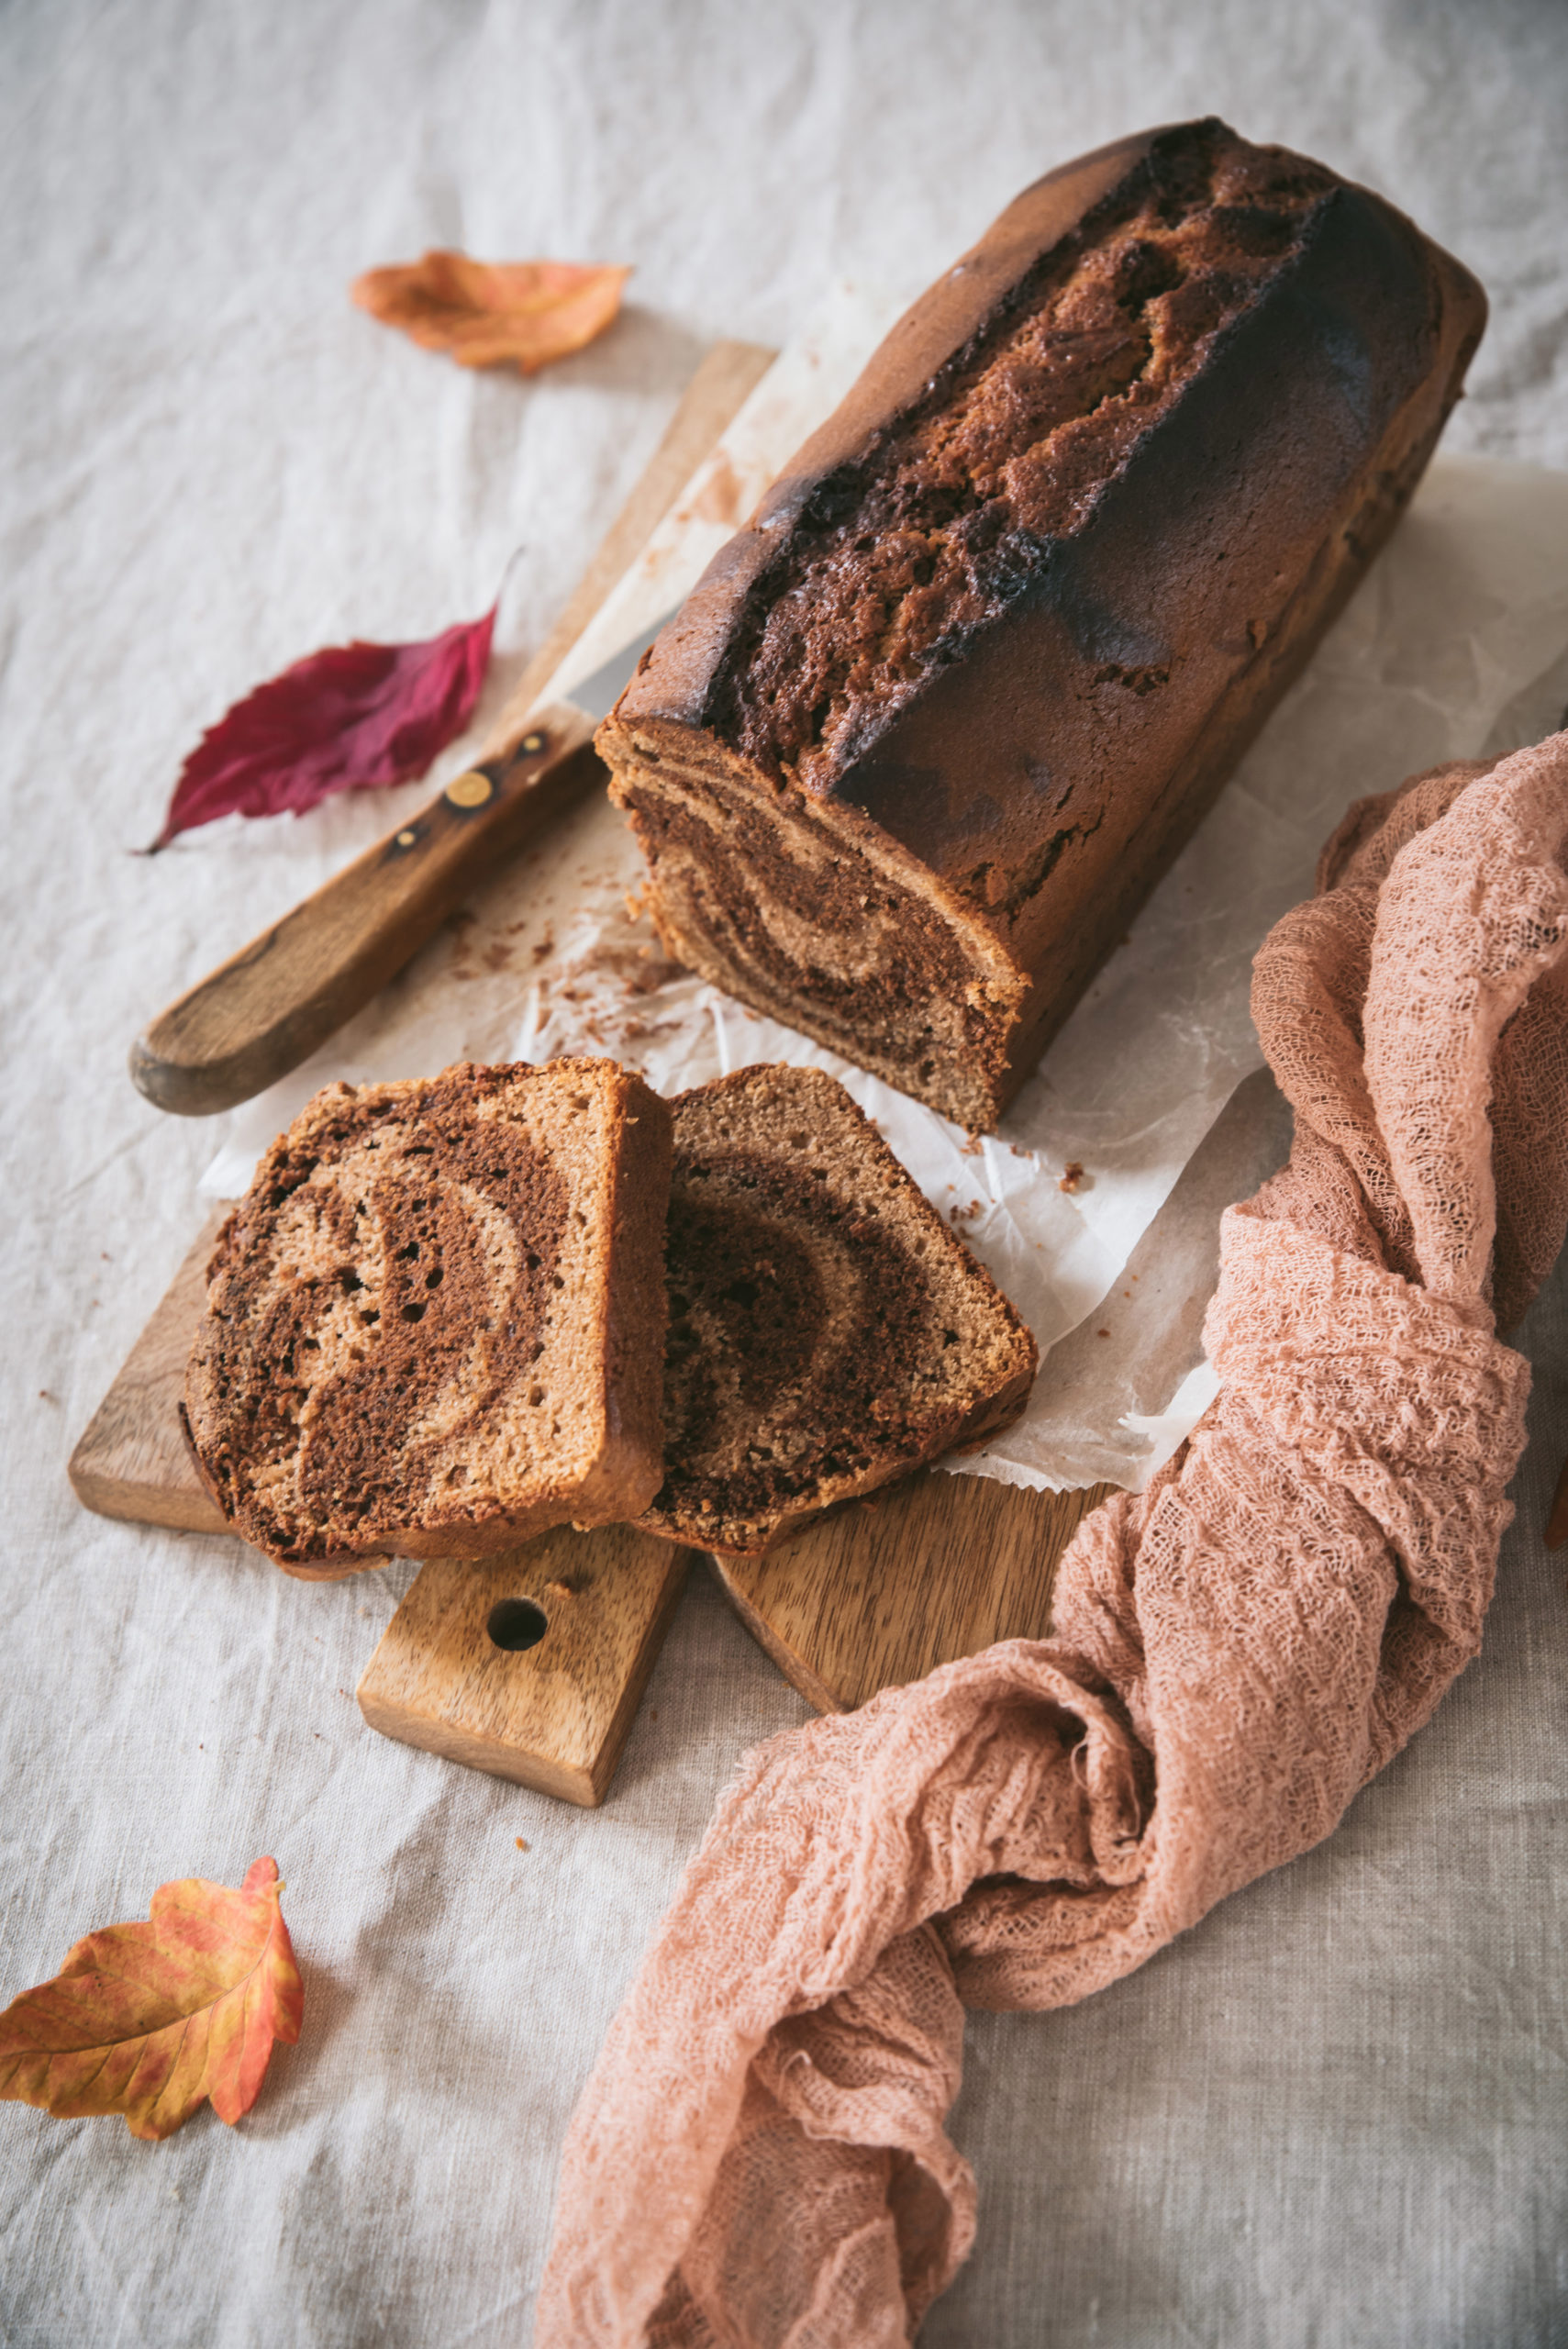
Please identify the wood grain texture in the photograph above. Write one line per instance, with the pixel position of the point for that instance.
(555, 1715)
(131, 1461)
(881, 1593)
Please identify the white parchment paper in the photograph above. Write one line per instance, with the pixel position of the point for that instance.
(1459, 631)
(1333, 2113)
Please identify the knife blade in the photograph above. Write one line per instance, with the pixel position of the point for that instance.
(271, 1005)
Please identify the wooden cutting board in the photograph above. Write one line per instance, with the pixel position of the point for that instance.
(531, 1665)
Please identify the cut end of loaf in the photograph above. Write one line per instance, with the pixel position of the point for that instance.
(433, 1324)
(828, 1334)
(804, 910)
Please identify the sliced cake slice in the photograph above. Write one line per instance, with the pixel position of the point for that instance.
(828, 1331)
(435, 1324)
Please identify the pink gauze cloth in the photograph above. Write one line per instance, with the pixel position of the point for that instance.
(758, 2158)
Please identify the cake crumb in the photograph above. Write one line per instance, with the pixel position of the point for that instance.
(521, 1843)
(1072, 1176)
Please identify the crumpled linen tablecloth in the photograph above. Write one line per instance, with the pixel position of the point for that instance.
(1332, 2114)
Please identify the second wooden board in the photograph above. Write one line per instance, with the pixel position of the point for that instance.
(529, 1665)
(936, 1568)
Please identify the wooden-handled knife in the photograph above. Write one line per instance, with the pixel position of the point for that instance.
(269, 1007)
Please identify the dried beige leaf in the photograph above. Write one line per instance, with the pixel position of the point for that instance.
(485, 314)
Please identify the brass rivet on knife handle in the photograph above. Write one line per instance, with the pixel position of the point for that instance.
(470, 790)
(270, 1007)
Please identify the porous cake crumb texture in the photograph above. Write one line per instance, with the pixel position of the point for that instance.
(428, 1322)
(828, 1332)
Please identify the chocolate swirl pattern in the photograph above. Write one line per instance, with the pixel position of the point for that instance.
(411, 1341)
(828, 1331)
(800, 912)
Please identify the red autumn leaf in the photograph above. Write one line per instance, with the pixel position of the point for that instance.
(147, 2019)
(486, 313)
(356, 717)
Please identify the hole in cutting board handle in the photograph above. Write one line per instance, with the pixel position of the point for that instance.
(517, 1623)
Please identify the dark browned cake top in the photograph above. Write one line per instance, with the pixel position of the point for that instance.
(898, 561)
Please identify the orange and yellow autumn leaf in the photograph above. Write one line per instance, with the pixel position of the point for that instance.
(486, 313)
(149, 2019)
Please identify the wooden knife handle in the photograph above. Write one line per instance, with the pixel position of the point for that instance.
(269, 1007)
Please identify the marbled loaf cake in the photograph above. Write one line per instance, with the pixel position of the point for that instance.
(435, 1324)
(828, 1330)
(936, 720)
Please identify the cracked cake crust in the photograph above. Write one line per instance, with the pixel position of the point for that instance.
(932, 724)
